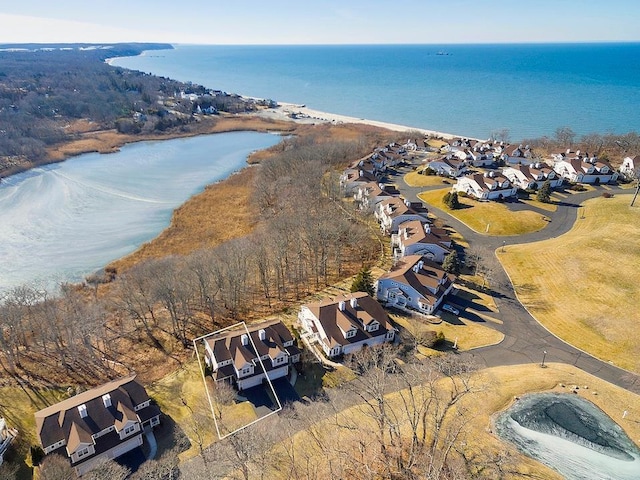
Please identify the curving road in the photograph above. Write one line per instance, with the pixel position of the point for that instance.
(525, 339)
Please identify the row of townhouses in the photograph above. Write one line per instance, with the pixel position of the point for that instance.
(417, 281)
(99, 424)
(522, 170)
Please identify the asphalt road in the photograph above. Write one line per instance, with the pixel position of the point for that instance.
(525, 339)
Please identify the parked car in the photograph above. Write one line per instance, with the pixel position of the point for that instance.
(450, 309)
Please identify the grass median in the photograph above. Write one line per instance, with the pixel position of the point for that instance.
(492, 218)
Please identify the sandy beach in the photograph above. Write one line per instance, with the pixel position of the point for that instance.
(303, 114)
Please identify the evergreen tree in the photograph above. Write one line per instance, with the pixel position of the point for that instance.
(451, 263)
(363, 282)
(451, 200)
(544, 194)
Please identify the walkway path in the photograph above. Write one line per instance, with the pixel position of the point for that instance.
(526, 340)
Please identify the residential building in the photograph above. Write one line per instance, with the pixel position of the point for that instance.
(584, 169)
(450, 166)
(6, 437)
(393, 211)
(480, 156)
(345, 324)
(101, 423)
(415, 283)
(245, 360)
(367, 195)
(487, 186)
(515, 154)
(420, 238)
(352, 178)
(532, 176)
(630, 166)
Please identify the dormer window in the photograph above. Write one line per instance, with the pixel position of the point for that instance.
(374, 325)
(350, 333)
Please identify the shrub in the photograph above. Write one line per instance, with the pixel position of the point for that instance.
(607, 194)
(440, 339)
(451, 200)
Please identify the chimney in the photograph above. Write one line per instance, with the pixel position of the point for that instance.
(353, 302)
(361, 173)
(82, 410)
(262, 334)
(244, 339)
(106, 399)
(341, 305)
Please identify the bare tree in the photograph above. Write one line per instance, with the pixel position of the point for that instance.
(56, 467)
(565, 136)
(107, 470)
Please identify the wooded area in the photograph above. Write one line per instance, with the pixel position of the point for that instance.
(43, 91)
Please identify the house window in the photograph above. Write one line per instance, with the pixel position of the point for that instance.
(129, 430)
(246, 371)
(83, 452)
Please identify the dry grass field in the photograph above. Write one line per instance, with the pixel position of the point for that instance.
(415, 179)
(198, 224)
(583, 286)
(497, 388)
(478, 215)
(108, 141)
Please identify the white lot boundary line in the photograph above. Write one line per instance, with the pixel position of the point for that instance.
(204, 381)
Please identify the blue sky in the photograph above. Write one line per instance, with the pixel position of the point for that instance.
(319, 22)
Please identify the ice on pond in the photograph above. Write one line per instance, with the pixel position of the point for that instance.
(61, 222)
(570, 435)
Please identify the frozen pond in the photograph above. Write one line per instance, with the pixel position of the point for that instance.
(63, 221)
(570, 435)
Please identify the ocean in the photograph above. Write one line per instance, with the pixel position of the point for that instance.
(469, 90)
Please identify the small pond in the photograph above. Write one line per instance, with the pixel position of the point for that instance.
(570, 435)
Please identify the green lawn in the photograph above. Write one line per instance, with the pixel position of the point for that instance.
(492, 218)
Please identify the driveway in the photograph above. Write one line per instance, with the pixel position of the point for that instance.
(525, 339)
(261, 396)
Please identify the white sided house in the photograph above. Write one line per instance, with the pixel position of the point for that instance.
(414, 284)
(515, 154)
(393, 211)
(630, 166)
(369, 194)
(352, 178)
(487, 186)
(99, 424)
(532, 176)
(347, 323)
(7, 435)
(419, 238)
(584, 169)
(239, 360)
(449, 166)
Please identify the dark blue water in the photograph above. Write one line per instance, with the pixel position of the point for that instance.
(462, 89)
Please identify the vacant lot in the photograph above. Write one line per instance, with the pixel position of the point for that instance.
(488, 217)
(583, 286)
